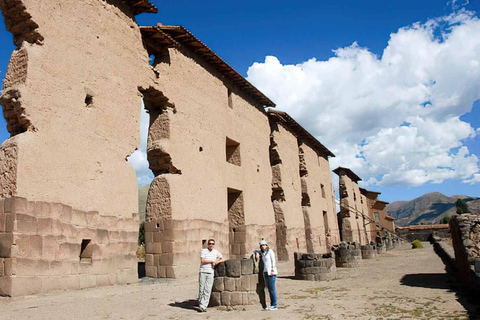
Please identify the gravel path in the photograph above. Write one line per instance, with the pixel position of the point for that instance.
(401, 284)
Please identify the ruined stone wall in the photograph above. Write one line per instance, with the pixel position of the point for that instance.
(353, 229)
(364, 219)
(50, 246)
(72, 105)
(371, 228)
(314, 267)
(236, 282)
(287, 193)
(200, 180)
(465, 230)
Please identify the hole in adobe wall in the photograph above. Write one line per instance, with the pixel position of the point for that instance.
(230, 102)
(158, 225)
(204, 243)
(89, 101)
(86, 251)
(200, 149)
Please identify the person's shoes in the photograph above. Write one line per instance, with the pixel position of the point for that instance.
(267, 308)
(272, 308)
(203, 310)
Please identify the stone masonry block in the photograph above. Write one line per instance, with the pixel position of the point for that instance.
(22, 286)
(49, 248)
(168, 224)
(149, 260)
(87, 281)
(161, 272)
(153, 247)
(30, 246)
(44, 226)
(238, 283)
(92, 218)
(226, 297)
(10, 222)
(253, 298)
(148, 237)
(244, 283)
(15, 205)
(2, 221)
(247, 266)
(233, 268)
(43, 209)
(236, 299)
(253, 279)
(229, 284)
(66, 215)
(68, 251)
(170, 271)
(5, 286)
(218, 284)
(102, 236)
(151, 271)
(168, 246)
(240, 237)
(56, 210)
(166, 259)
(79, 219)
(2, 268)
(220, 270)
(215, 299)
(26, 224)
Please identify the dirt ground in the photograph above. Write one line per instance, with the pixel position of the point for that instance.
(401, 284)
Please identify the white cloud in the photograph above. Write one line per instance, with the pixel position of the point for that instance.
(138, 159)
(393, 119)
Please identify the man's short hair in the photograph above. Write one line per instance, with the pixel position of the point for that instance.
(210, 240)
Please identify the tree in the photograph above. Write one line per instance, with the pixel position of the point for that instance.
(462, 206)
(446, 220)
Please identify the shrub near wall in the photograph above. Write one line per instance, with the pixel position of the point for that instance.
(314, 267)
(235, 283)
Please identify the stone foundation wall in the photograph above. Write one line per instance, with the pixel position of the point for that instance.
(465, 230)
(236, 283)
(347, 255)
(314, 267)
(369, 251)
(50, 246)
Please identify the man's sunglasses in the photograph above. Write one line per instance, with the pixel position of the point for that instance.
(211, 244)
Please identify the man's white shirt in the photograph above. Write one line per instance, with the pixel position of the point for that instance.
(208, 255)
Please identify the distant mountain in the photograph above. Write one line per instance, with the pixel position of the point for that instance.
(429, 208)
(142, 201)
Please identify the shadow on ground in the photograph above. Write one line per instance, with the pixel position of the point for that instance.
(445, 281)
(187, 304)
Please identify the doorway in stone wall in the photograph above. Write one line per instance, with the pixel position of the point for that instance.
(236, 223)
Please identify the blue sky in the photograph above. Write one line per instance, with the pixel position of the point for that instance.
(300, 38)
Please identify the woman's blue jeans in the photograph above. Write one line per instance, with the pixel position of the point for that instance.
(272, 290)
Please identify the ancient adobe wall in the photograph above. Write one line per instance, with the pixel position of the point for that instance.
(352, 222)
(371, 228)
(364, 218)
(287, 192)
(71, 105)
(72, 109)
(213, 177)
(50, 246)
(319, 185)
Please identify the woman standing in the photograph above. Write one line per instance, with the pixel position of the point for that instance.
(269, 271)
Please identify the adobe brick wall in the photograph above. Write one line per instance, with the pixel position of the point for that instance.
(314, 267)
(40, 245)
(236, 283)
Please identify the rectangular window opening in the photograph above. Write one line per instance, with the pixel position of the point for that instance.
(86, 251)
(377, 217)
(323, 190)
(233, 152)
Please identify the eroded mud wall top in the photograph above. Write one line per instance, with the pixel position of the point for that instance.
(79, 94)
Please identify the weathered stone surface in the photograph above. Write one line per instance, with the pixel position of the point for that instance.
(233, 268)
(226, 298)
(220, 270)
(236, 298)
(247, 266)
(218, 284)
(229, 284)
(215, 299)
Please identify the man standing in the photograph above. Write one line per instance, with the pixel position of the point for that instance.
(209, 258)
